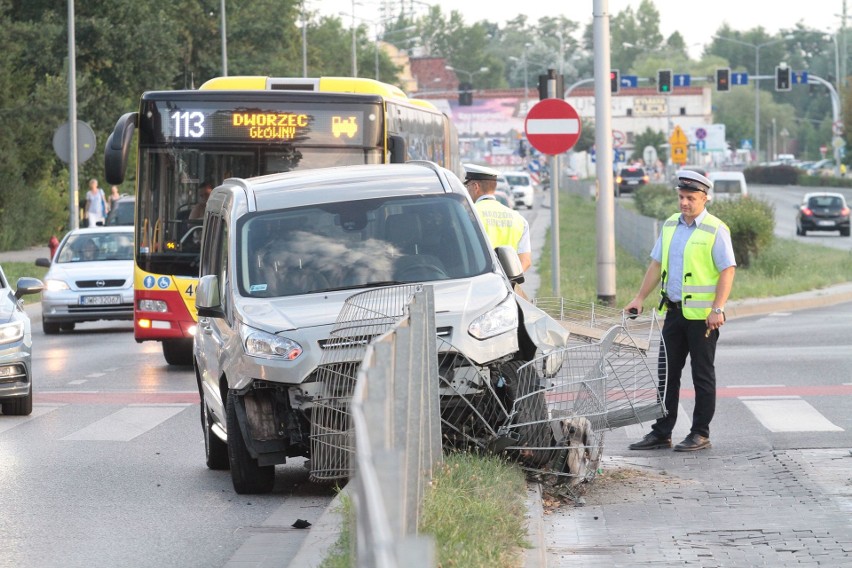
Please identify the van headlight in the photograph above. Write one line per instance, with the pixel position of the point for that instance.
(11, 332)
(498, 320)
(262, 344)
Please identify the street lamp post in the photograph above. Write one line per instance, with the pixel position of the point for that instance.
(526, 80)
(756, 48)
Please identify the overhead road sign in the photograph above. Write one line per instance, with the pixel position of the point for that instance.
(682, 80)
(552, 126)
(800, 78)
(739, 78)
(630, 81)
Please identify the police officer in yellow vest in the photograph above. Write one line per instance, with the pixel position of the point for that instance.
(693, 264)
(504, 226)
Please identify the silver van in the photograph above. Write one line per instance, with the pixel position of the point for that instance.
(280, 256)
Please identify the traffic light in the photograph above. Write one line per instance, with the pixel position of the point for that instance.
(664, 81)
(614, 81)
(782, 78)
(723, 79)
(465, 94)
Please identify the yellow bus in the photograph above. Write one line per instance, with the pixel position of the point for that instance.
(245, 127)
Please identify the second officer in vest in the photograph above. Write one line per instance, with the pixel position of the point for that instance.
(693, 266)
(504, 226)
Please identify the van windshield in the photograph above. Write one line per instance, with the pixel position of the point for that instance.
(358, 244)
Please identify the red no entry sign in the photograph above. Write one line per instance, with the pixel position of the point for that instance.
(552, 126)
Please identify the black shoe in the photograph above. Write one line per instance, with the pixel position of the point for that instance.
(692, 443)
(651, 442)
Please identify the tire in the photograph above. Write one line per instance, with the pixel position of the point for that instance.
(19, 406)
(67, 326)
(799, 231)
(215, 450)
(178, 352)
(529, 409)
(50, 327)
(247, 476)
(844, 232)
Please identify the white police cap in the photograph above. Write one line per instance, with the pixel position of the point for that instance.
(476, 172)
(693, 181)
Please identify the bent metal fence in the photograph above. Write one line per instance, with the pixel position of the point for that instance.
(395, 394)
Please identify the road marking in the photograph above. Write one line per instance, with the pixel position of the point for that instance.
(758, 386)
(10, 422)
(78, 382)
(788, 414)
(96, 375)
(127, 423)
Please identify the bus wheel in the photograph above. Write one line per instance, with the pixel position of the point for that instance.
(178, 351)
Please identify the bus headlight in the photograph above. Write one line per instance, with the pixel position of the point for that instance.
(268, 346)
(498, 320)
(153, 306)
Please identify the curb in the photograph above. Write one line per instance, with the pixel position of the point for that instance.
(830, 296)
(536, 555)
(323, 534)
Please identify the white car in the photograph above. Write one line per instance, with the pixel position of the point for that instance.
(522, 188)
(727, 185)
(90, 278)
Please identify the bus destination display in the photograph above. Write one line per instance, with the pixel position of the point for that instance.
(335, 127)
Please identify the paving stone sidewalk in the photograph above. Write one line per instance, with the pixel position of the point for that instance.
(768, 508)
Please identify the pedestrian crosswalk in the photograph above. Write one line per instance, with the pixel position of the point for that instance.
(124, 417)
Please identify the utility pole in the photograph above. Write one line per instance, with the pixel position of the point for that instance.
(74, 205)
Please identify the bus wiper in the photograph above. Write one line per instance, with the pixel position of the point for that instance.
(378, 284)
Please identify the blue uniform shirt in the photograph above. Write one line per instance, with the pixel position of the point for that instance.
(723, 254)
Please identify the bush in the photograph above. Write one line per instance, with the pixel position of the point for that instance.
(772, 175)
(657, 201)
(752, 224)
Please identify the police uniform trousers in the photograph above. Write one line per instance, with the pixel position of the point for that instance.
(684, 337)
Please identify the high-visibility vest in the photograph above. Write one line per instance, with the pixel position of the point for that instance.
(503, 226)
(700, 274)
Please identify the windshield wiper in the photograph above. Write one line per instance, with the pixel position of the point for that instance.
(378, 284)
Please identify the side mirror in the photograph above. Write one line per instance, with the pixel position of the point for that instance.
(396, 146)
(28, 285)
(511, 264)
(43, 262)
(207, 299)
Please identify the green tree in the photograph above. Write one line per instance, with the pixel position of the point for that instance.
(653, 138)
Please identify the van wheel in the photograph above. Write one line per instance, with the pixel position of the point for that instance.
(49, 327)
(178, 351)
(216, 451)
(844, 232)
(67, 326)
(247, 476)
(531, 411)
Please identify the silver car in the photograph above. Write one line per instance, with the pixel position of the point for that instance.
(280, 256)
(16, 387)
(90, 278)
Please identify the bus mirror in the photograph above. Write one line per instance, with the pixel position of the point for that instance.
(117, 149)
(396, 147)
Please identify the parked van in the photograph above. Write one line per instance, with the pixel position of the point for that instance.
(727, 185)
(280, 256)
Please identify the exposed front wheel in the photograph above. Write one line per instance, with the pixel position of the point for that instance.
(178, 351)
(247, 476)
(530, 412)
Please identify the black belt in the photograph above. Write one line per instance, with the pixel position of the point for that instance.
(674, 305)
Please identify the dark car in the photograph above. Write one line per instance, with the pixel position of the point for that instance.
(122, 212)
(630, 178)
(823, 212)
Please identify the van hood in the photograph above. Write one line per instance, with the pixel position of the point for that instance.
(470, 296)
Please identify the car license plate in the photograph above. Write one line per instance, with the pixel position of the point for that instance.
(632, 182)
(825, 223)
(100, 300)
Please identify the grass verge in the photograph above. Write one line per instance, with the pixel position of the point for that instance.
(474, 510)
(785, 267)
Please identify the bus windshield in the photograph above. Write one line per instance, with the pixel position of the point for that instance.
(185, 145)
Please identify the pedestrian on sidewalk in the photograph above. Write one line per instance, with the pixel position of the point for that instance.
(693, 263)
(96, 204)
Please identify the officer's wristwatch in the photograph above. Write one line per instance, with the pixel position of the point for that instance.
(718, 310)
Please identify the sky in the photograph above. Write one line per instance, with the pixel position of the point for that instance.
(696, 21)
